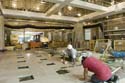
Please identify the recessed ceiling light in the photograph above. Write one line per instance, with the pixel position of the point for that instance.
(79, 14)
(70, 8)
(38, 8)
(116, 28)
(14, 3)
(107, 16)
(89, 23)
(59, 13)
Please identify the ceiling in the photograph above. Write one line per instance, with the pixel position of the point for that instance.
(27, 5)
(61, 10)
(106, 3)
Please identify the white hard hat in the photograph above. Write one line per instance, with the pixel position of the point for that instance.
(89, 53)
(69, 46)
(85, 54)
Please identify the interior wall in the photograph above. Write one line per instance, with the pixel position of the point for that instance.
(115, 28)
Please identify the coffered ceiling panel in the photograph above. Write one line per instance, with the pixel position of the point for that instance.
(106, 3)
(61, 10)
(74, 11)
(27, 5)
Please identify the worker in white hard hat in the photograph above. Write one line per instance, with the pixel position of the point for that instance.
(102, 72)
(71, 52)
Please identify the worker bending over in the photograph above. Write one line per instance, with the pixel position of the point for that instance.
(71, 52)
(102, 72)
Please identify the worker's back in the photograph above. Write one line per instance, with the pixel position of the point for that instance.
(101, 70)
(71, 52)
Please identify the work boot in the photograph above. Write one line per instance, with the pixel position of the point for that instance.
(114, 79)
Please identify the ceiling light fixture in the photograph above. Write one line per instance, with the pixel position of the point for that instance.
(59, 13)
(38, 8)
(14, 5)
(107, 16)
(89, 23)
(70, 8)
(116, 28)
(79, 14)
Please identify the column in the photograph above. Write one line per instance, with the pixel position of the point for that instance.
(49, 36)
(38, 38)
(78, 35)
(2, 33)
(45, 33)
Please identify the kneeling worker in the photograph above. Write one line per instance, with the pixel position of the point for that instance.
(102, 72)
(71, 52)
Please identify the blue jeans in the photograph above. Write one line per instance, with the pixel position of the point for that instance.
(95, 80)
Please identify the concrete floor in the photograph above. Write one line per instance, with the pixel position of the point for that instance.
(42, 73)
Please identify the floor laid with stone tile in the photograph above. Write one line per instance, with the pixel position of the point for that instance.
(35, 66)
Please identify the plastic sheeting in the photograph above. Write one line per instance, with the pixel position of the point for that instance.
(118, 54)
